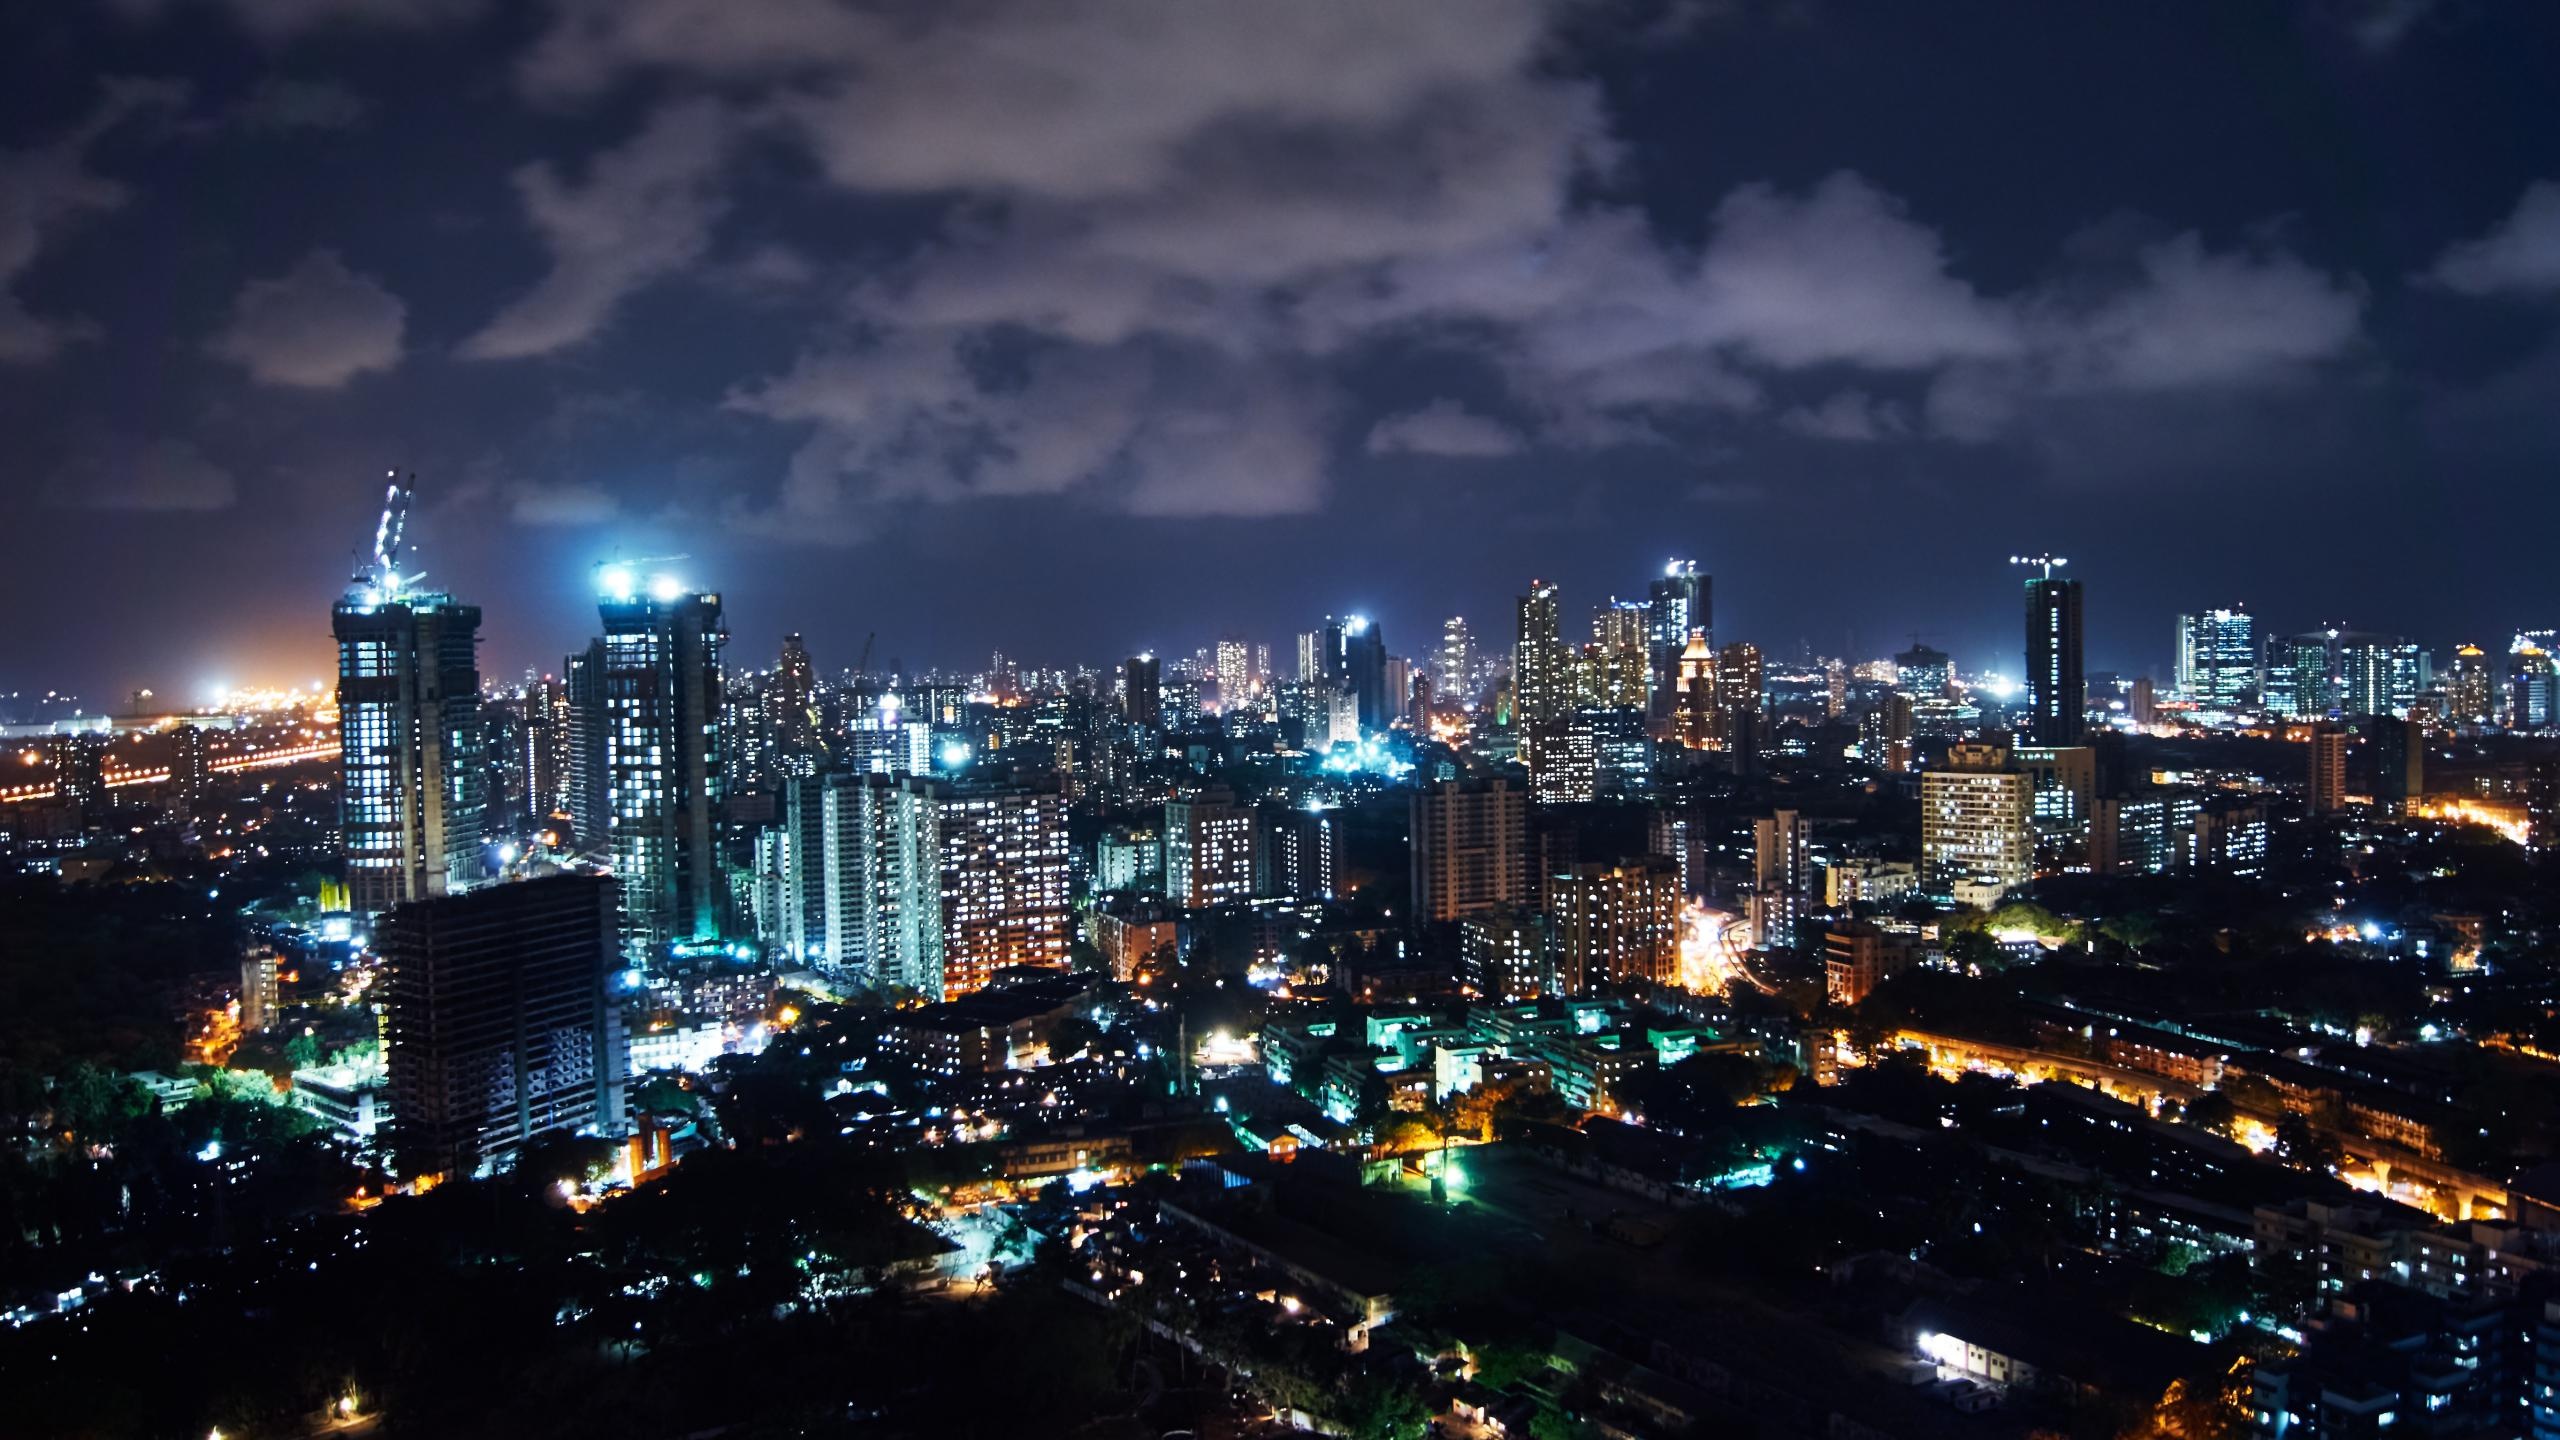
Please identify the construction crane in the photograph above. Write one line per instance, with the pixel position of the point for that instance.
(864, 663)
(381, 580)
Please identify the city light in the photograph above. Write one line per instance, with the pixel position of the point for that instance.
(665, 589)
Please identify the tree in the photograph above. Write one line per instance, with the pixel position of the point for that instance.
(2211, 1111)
(2300, 1143)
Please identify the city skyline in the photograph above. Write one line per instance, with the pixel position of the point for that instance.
(603, 293)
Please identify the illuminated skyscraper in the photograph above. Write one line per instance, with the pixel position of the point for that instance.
(2301, 682)
(1235, 677)
(1739, 675)
(1542, 682)
(1454, 673)
(2377, 674)
(2471, 689)
(1618, 672)
(981, 883)
(410, 767)
(1208, 849)
(2057, 688)
(1677, 604)
(1359, 664)
(2218, 658)
(1694, 714)
(660, 688)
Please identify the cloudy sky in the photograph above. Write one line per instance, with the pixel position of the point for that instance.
(1076, 326)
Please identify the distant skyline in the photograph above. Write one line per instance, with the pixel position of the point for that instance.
(1078, 328)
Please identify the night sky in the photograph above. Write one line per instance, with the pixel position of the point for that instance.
(1072, 328)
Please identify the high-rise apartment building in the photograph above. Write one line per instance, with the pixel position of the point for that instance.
(2325, 785)
(2217, 660)
(1293, 857)
(1617, 670)
(982, 883)
(411, 771)
(1616, 923)
(1739, 677)
(1508, 955)
(1208, 849)
(1976, 825)
(1453, 673)
(2057, 686)
(1693, 714)
(501, 1021)
(1678, 604)
(1469, 849)
(1542, 682)
(1235, 677)
(1142, 692)
(2471, 688)
(659, 683)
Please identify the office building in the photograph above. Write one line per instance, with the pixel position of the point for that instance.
(501, 1024)
(2057, 690)
(660, 686)
(1976, 826)
(411, 771)
(1678, 604)
(1208, 849)
(1923, 673)
(1358, 664)
(2217, 659)
(2325, 785)
(1616, 924)
(1469, 849)
(2065, 780)
(2301, 683)
(2376, 674)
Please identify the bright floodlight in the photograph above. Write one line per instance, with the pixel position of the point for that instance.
(665, 589)
(616, 581)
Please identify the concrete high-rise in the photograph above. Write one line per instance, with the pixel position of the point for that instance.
(501, 1021)
(659, 684)
(1616, 923)
(1977, 837)
(2057, 686)
(981, 884)
(2325, 786)
(1208, 849)
(1142, 691)
(411, 771)
(1469, 849)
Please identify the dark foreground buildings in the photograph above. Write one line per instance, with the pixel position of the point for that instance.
(502, 1020)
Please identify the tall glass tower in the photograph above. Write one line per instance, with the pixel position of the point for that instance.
(2057, 688)
(658, 686)
(410, 763)
(1680, 602)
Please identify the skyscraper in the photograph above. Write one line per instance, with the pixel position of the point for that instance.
(1677, 604)
(1235, 677)
(1739, 675)
(1361, 671)
(1618, 673)
(2326, 782)
(1469, 849)
(1453, 673)
(1923, 672)
(2217, 663)
(2057, 689)
(660, 688)
(501, 1021)
(1143, 692)
(410, 766)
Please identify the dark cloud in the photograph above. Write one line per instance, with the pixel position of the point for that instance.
(1444, 428)
(46, 189)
